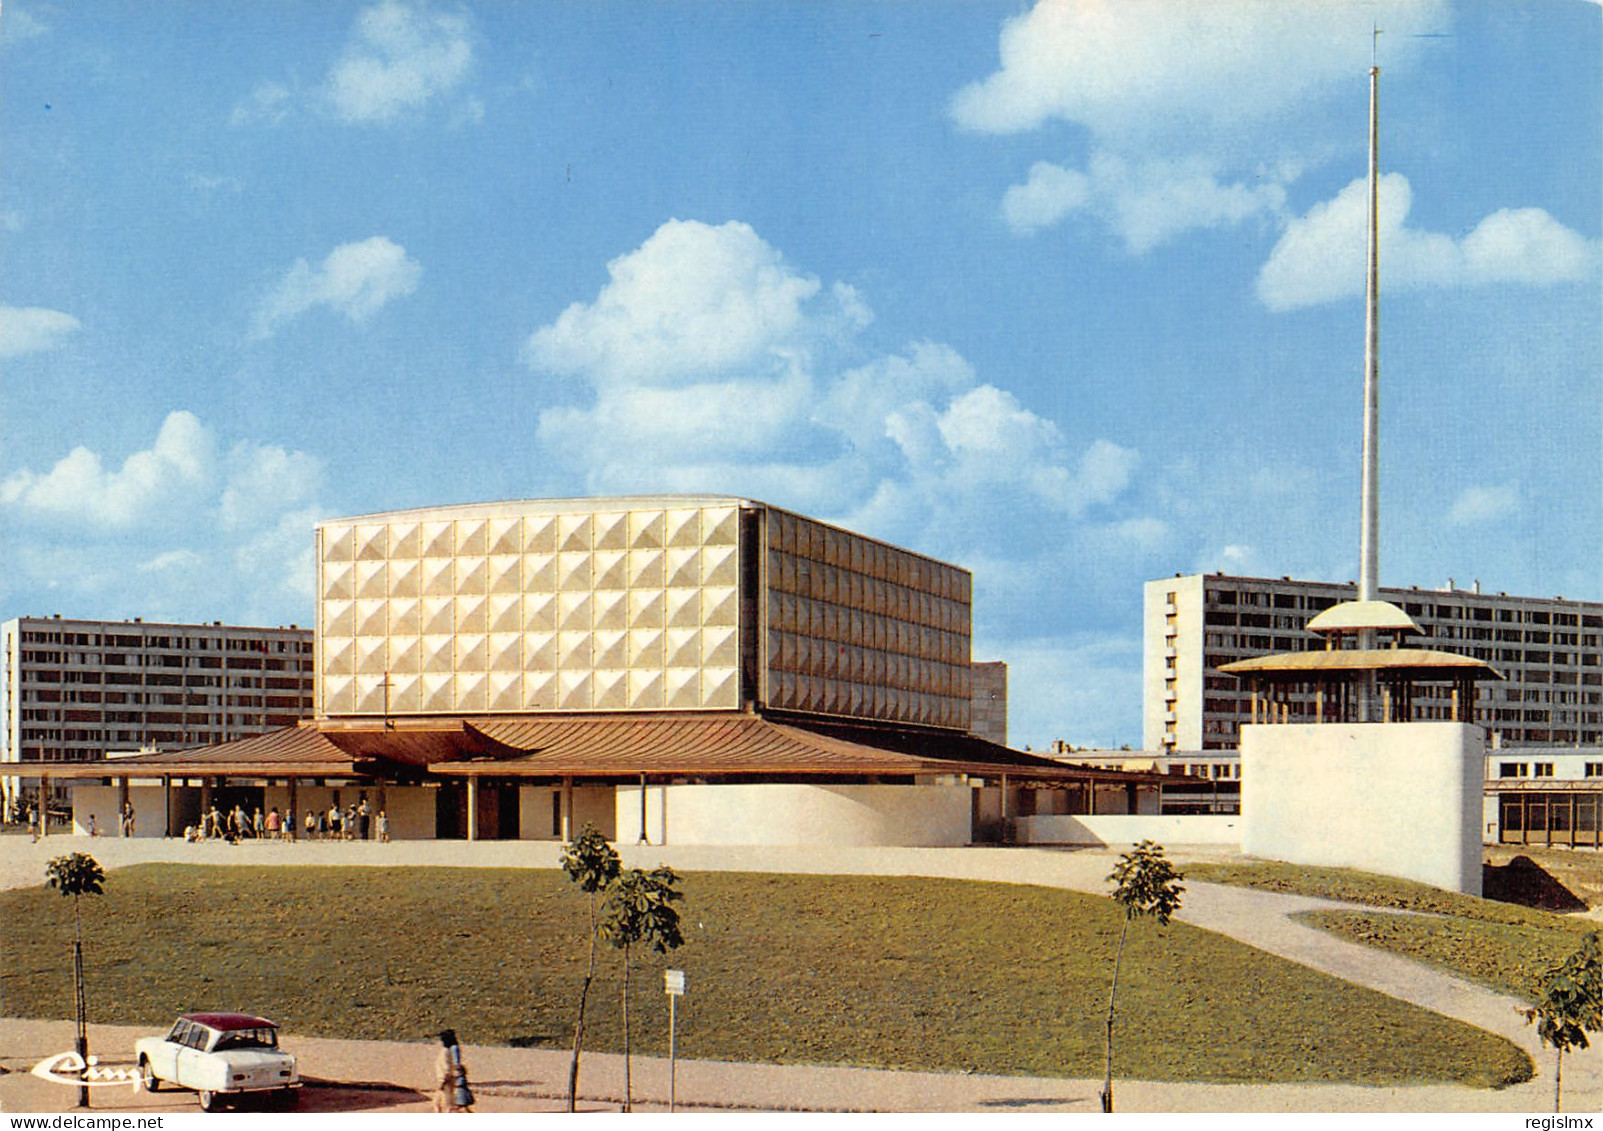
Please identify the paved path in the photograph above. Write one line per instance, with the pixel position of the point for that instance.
(1260, 919)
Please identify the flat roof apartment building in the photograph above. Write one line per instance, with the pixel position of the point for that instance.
(1549, 651)
(74, 690)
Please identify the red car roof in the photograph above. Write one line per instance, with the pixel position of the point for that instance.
(227, 1022)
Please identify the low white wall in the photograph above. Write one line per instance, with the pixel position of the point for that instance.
(1115, 828)
(149, 802)
(1402, 799)
(785, 813)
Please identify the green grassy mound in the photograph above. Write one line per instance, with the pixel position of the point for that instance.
(887, 972)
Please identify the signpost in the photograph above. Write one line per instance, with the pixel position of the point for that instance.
(673, 984)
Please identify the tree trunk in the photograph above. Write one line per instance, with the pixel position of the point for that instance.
(1113, 993)
(628, 1098)
(81, 1007)
(584, 995)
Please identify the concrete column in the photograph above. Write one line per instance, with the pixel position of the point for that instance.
(644, 839)
(44, 805)
(122, 804)
(473, 808)
(567, 810)
(167, 804)
(295, 820)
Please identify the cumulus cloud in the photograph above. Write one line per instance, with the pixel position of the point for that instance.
(189, 526)
(1170, 97)
(1135, 69)
(33, 329)
(151, 485)
(708, 363)
(400, 57)
(355, 279)
(1477, 506)
(1320, 257)
(1147, 203)
(269, 104)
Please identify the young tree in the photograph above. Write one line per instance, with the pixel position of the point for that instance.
(1145, 883)
(591, 863)
(641, 910)
(1570, 1003)
(77, 875)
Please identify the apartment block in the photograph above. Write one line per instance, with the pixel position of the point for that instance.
(1548, 650)
(74, 690)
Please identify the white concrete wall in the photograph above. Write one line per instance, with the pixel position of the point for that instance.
(1401, 799)
(1125, 829)
(782, 813)
(149, 802)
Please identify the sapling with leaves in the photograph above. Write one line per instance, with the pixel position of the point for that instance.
(593, 864)
(1145, 883)
(77, 875)
(640, 911)
(1569, 1004)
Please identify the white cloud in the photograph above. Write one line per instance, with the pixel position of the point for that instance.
(1051, 193)
(1194, 116)
(1477, 506)
(154, 485)
(355, 279)
(33, 329)
(1147, 203)
(694, 299)
(176, 529)
(401, 56)
(1320, 257)
(1134, 69)
(709, 364)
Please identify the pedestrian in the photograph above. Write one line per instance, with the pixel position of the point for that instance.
(33, 823)
(362, 819)
(270, 825)
(256, 826)
(212, 826)
(311, 825)
(94, 830)
(287, 825)
(453, 1093)
(383, 828)
(333, 822)
(350, 822)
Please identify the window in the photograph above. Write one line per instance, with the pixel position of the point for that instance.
(1594, 770)
(1513, 770)
(1544, 770)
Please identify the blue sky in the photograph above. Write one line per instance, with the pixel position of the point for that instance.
(1067, 293)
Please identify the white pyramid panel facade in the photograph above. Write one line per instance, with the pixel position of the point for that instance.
(540, 611)
(617, 605)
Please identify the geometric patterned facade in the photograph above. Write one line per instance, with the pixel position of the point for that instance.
(633, 604)
(858, 628)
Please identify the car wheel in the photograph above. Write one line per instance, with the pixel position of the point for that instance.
(147, 1075)
(210, 1101)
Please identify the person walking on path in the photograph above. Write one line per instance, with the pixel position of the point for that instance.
(452, 1093)
(383, 828)
(256, 825)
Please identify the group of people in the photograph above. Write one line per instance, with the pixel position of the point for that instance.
(353, 822)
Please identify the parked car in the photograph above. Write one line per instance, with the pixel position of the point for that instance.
(220, 1056)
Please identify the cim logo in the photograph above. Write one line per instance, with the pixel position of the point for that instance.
(85, 1074)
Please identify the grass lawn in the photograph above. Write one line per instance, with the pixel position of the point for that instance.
(1502, 945)
(887, 972)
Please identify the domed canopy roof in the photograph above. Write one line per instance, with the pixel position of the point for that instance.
(1359, 616)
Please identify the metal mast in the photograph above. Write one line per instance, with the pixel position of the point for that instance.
(1369, 539)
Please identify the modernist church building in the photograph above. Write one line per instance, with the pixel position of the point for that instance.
(676, 669)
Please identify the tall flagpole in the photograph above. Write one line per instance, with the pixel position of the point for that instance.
(1369, 539)
(1369, 535)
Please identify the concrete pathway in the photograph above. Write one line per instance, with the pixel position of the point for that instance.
(1259, 919)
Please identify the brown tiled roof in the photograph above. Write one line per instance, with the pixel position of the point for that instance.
(301, 750)
(729, 743)
(691, 744)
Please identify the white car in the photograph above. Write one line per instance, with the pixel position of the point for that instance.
(219, 1055)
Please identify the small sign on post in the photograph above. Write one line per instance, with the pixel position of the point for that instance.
(673, 984)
